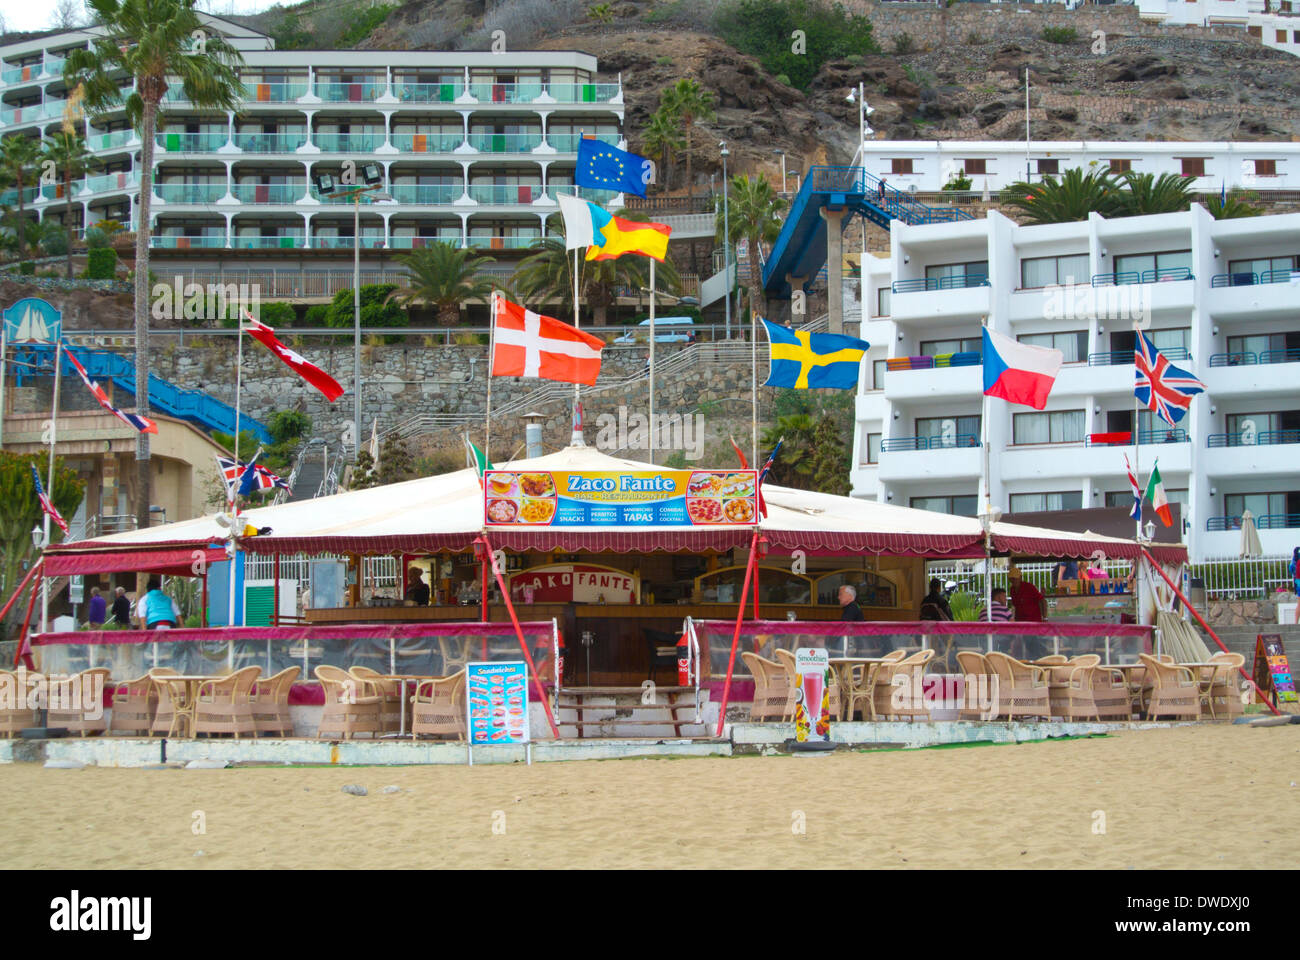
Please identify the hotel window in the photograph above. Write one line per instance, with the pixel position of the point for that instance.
(1295, 36)
(900, 165)
(1268, 168)
(882, 302)
(1046, 271)
(1257, 423)
(878, 375)
(1263, 342)
(957, 506)
(943, 271)
(1072, 344)
(1286, 503)
(1178, 339)
(1049, 167)
(1058, 426)
(1121, 166)
(1255, 32)
(1281, 36)
(1193, 166)
(1142, 263)
(1042, 502)
(949, 431)
(1264, 264)
(1124, 498)
(873, 448)
(976, 165)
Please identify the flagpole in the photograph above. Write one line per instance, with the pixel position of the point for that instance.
(49, 483)
(492, 353)
(576, 324)
(988, 510)
(233, 499)
(753, 386)
(653, 432)
(4, 353)
(1137, 465)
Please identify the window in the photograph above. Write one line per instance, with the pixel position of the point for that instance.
(1046, 271)
(1059, 426)
(873, 448)
(1263, 342)
(1179, 339)
(1048, 167)
(1263, 505)
(1073, 344)
(1255, 32)
(977, 165)
(1143, 263)
(1281, 36)
(1193, 166)
(1295, 38)
(882, 302)
(1251, 425)
(949, 431)
(878, 375)
(1121, 166)
(1263, 264)
(1041, 502)
(1124, 498)
(900, 165)
(960, 506)
(942, 271)
(933, 348)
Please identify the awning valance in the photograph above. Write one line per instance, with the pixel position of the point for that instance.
(172, 561)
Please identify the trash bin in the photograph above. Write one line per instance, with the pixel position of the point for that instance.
(1196, 592)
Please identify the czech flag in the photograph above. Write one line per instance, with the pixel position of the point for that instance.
(1018, 372)
(606, 236)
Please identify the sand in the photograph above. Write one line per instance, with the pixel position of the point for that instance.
(1211, 796)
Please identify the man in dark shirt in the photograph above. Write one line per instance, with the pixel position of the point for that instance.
(121, 608)
(935, 605)
(1031, 607)
(417, 589)
(849, 610)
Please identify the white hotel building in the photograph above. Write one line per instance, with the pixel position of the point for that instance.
(1274, 23)
(1223, 300)
(473, 146)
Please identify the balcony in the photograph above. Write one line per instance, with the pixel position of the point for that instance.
(111, 181)
(110, 141)
(428, 92)
(1125, 438)
(191, 192)
(916, 459)
(192, 142)
(350, 92)
(514, 194)
(1122, 357)
(348, 142)
(20, 74)
(940, 283)
(506, 142)
(10, 197)
(1267, 295)
(270, 142)
(428, 142)
(584, 92)
(505, 92)
(929, 443)
(427, 193)
(1163, 275)
(291, 241)
(1253, 279)
(269, 192)
(940, 298)
(1252, 439)
(504, 243)
(369, 241)
(419, 243)
(587, 193)
(169, 242)
(1246, 358)
(568, 142)
(32, 113)
(1269, 521)
(274, 92)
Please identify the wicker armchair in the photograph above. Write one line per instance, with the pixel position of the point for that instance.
(14, 715)
(862, 680)
(225, 704)
(172, 706)
(976, 670)
(786, 659)
(1174, 690)
(1220, 693)
(135, 703)
(271, 703)
(77, 703)
(373, 684)
(882, 688)
(1070, 688)
(438, 707)
(1022, 687)
(771, 689)
(347, 711)
(1110, 693)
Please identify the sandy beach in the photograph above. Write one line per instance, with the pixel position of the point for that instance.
(1215, 797)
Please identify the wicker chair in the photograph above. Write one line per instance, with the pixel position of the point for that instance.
(455, 654)
(1070, 688)
(373, 684)
(1174, 690)
(771, 689)
(1221, 687)
(1110, 693)
(14, 715)
(80, 701)
(170, 709)
(135, 703)
(347, 711)
(225, 704)
(882, 687)
(973, 667)
(1022, 687)
(271, 703)
(438, 707)
(862, 679)
(786, 659)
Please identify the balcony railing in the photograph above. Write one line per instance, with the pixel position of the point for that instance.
(10, 196)
(32, 112)
(506, 142)
(270, 192)
(430, 193)
(369, 241)
(960, 440)
(504, 193)
(428, 92)
(488, 92)
(348, 142)
(1261, 438)
(1252, 279)
(1269, 521)
(112, 181)
(1125, 277)
(21, 74)
(270, 142)
(109, 141)
(349, 92)
(170, 242)
(288, 241)
(274, 92)
(192, 142)
(941, 283)
(191, 192)
(568, 142)
(418, 243)
(583, 92)
(1114, 358)
(1246, 357)
(1124, 438)
(523, 242)
(428, 142)
(587, 193)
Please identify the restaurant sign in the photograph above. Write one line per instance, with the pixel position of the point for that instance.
(812, 718)
(573, 583)
(601, 498)
(496, 700)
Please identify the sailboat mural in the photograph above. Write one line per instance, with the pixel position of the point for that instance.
(32, 320)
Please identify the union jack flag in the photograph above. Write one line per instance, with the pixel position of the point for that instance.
(143, 424)
(1136, 510)
(1161, 387)
(47, 504)
(762, 474)
(247, 478)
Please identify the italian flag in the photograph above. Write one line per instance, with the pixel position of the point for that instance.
(1156, 494)
(476, 458)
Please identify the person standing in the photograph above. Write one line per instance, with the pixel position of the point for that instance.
(156, 611)
(850, 612)
(97, 611)
(416, 589)
(1293, 568)
(121, 608)
(1028, 600)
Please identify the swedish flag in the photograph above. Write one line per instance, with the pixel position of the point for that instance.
(825, 360)
(609, 168)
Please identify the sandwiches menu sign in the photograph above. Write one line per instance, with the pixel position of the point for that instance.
(591, 498)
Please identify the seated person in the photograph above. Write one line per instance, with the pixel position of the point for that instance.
(935, 605)
(416, 588)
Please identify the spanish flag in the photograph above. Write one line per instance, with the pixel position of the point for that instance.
(801, 359)
(606, 236)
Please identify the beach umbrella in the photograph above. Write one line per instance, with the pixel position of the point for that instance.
(1250, 545)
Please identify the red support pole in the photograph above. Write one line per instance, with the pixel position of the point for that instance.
(1208, 629)
(275, 593)
(483, 602)
(24, 651)
(519, 632)
(756, 616)
(203, 614)
(735, 637)
(19, 592)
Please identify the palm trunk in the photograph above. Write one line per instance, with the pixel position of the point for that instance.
(67, 217)
(690, 184)
(21, 218)
(142, 466)
(449, 314)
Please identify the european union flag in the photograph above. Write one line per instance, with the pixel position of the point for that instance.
(609, 168)
(823, 360)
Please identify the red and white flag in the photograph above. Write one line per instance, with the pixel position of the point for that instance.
(143, 424)
(526, 344)
(313, 374)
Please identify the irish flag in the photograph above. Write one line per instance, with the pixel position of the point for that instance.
(1156, 494)
(476, 458)
(1019, 372)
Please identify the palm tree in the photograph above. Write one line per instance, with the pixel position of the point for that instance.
(154, 42)
(547, 275)
(18, 158)
(1168, 193)
(444, 276)
(1234, 205)
(68, 153)
(755, 217)
(688, 102)
(795, 433)
(662, 138)
(1072, 197)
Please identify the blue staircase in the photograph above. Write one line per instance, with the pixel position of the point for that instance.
(800, 250)
(165, 397)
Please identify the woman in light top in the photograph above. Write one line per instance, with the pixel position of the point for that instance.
(155, 608)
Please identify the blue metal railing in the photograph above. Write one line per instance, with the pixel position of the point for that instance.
(961, 440)
(1242, 358)
(1250, 279)
(1288, 355)
(1116, 279)
(1126, 277)
(1262, 439)
(959, 282)
(1119, 357)
(1168, 435)
(1269, 521)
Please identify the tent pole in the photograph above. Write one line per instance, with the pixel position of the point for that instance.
(24, 652)
(275, 595)
(233, 495)
(735, 637)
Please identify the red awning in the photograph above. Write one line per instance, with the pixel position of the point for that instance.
(174, 562)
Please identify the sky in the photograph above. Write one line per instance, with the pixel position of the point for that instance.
(26, 15)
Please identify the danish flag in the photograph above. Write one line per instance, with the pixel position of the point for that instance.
(1160, 386)
(526, 344)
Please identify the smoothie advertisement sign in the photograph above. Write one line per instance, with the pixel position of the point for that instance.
(621, 499)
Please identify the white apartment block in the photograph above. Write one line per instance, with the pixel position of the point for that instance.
(1273, 22)
(927, 165)
(1221, 298)
(472, 146)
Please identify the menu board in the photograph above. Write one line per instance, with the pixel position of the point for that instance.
(587, 498)
(496, 700)
(1272, 668)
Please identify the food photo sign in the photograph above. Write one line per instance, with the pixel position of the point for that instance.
(587, 498)
(496, 704)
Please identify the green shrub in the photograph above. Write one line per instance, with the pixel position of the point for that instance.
(782, 78)
(27, 268)
(1060, 34)
(375, 312)
(763, 28)
(55, 243)
(96, 238)
(317, 315)
(101, 264)
(363, 23)
(665, 61)
(904, 44)
(278, 314)
(959, 181)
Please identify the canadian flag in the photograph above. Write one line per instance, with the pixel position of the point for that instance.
(313, 374)
(526, 344)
